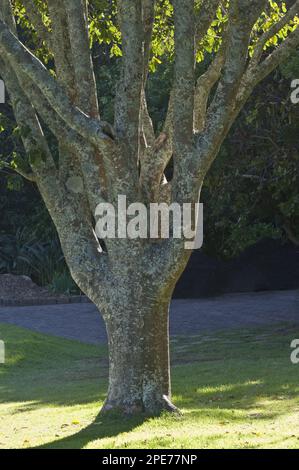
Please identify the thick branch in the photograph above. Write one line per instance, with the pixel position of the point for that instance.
(88, 158)
(23, 110)
(156, 159)
(128, 100)
(27, 119)
(81, 57)
(204, 86)
(148, 17)
(147, 129)
(61, 47)
(242, 17)
(184, 72)
(95, 131)
(210, 140)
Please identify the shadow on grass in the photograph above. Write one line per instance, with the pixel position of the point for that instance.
(102, 427)
(251, 379)
(237, 405)
(224, 402)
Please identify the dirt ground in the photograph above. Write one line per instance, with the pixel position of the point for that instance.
(21, 288)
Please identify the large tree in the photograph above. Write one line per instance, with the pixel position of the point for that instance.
(131, 280)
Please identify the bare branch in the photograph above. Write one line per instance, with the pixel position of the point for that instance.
(184, 72)
(148, 17)
(128, 100)
(204, 86)
(164, 143)
(6, 14)
(61, 47)
(81, 57)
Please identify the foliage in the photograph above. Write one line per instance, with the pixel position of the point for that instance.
(274, 12)
(28, 32)
(43, 262)
(104, 30)
(256, 176)
(62, 283)
(22, 254)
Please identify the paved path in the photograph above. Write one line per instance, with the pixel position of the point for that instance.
(188, 317)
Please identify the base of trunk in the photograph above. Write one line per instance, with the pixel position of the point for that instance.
(139, 376)
(128, 408)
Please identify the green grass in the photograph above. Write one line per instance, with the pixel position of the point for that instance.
(236, 390)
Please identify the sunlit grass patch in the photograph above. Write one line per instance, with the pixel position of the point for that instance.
(236, 389)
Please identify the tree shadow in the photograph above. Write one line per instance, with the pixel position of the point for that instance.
(240, 401)
(102, 427)
(243, 387)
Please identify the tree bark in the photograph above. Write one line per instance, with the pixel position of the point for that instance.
(139, 365)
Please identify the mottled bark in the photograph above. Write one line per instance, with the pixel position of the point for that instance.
(77, 27)
(139, 378)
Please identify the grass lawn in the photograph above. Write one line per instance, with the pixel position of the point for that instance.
(236, 390)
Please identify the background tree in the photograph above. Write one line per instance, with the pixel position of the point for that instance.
(77, 159)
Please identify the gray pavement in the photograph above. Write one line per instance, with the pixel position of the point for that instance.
(188, 317)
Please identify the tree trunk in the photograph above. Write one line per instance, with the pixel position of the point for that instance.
(139, 366)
